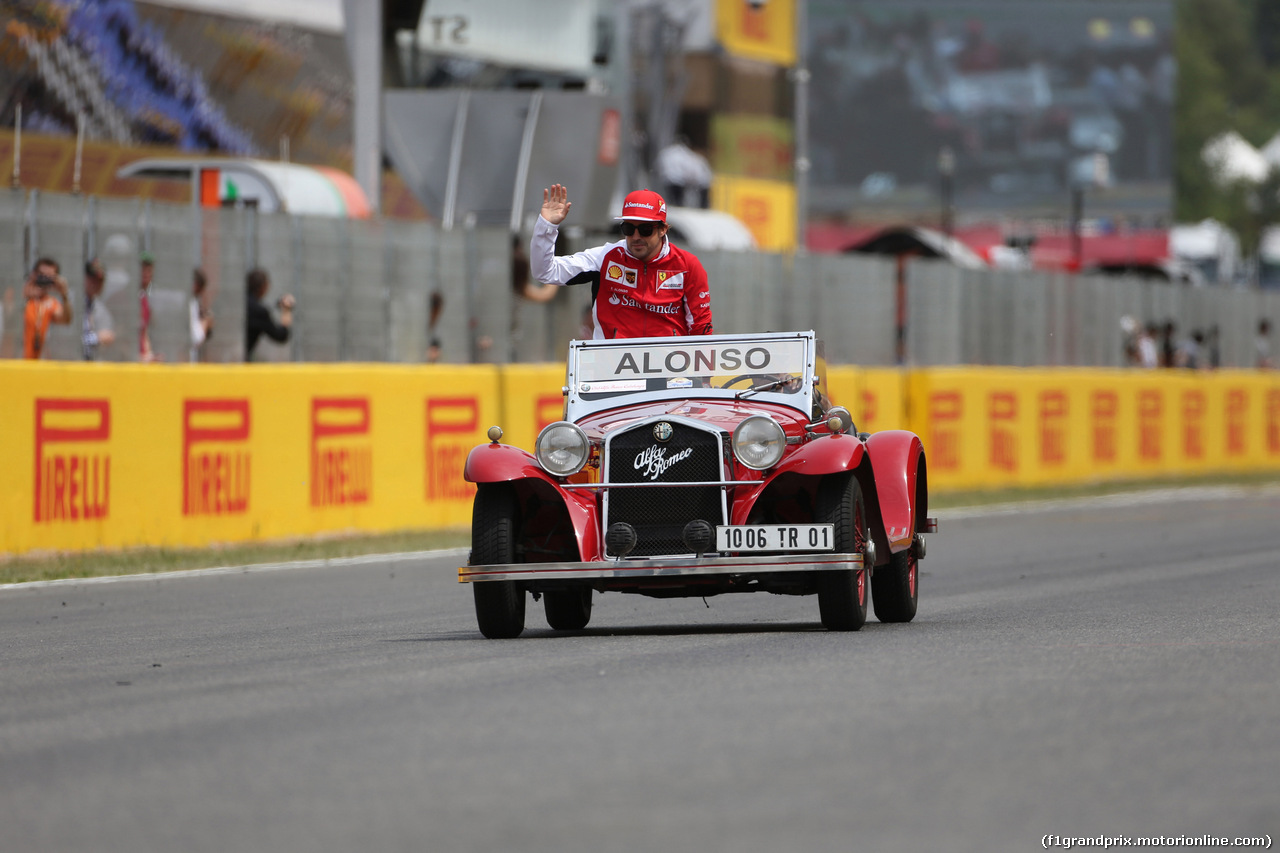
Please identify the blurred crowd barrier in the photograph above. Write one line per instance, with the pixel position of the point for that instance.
(383, 290)
(112, 456)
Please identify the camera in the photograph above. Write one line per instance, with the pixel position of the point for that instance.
(43, 280)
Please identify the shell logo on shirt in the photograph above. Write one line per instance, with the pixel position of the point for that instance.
(626, 276)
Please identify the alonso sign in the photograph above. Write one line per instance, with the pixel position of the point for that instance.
(660, 361)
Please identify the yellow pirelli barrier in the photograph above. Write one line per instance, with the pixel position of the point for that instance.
(108, 456)
(876, 397)
(991, 427)
(532, 397)
(123, 455)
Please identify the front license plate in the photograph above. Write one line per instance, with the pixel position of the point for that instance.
(776, 537)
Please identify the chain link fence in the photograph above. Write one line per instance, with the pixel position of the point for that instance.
(387, 290)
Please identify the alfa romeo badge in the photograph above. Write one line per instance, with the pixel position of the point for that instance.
(662, 431)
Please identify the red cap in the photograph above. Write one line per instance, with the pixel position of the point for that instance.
(645, 205)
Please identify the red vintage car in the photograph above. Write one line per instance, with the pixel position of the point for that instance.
(693, 467)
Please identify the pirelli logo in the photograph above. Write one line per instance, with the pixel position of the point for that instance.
(1106, 412)
(1194, 407)
(451, 426)
(216, 462)
(1150, 418)
(945, 410)
(1003, 410)
(1054, 408)
(73, 466)
(341, 451)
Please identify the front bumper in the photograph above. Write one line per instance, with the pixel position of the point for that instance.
(661, 567)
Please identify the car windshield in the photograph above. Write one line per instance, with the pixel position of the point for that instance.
(729, 366)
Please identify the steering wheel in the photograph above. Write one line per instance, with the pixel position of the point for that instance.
(752, 377)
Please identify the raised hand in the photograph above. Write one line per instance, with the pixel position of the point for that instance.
(555, 204)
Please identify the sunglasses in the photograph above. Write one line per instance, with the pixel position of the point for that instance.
(630, 228)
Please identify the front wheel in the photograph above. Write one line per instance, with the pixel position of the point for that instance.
(895, 588)
(494, 525)
(568, 609)
(842, 594)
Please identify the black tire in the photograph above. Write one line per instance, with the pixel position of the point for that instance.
(494, 524)
(568, 609)
(895, 588)
(842, 594)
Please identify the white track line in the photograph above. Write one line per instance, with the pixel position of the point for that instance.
(1150, 497)
(1121, 499)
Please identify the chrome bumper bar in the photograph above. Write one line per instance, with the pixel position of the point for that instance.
(659, 568)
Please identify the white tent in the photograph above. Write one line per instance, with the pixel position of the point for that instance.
(1271, 151)
(1232, 159)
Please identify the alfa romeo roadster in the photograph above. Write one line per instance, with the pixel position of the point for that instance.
(697, 466)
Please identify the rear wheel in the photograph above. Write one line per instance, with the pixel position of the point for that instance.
(842, 594)
(568, 609)
(494, 524)
(895, 588)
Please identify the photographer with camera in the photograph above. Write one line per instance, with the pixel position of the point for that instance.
(47, 303)
(257, 316)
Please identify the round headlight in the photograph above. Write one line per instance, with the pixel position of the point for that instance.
(562, 449)
(758, 442)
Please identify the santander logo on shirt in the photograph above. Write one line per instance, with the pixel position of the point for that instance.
(616, 299)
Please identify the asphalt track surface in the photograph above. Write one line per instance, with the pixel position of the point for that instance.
(1106, 667)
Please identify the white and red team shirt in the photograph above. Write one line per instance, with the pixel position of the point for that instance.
(666, 295)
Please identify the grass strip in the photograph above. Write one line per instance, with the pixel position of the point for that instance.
(87, 564)
(103, 563)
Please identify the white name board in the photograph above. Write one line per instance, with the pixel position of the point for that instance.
(690, 359)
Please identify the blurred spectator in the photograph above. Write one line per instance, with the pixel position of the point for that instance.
(6, 309)
(1212, 348)
(45, 292)
(146, 270)
(433, 351)
(96, 329)
(1190, 352)
(1168, 344)
(1148, 357)
(1131, 330)
(1262, 345)
(200, 318)
(979, 53)
(257, 316)
(435, 310)
(685, 174)
(520, 283)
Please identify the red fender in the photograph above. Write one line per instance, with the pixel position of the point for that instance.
(502, 463)
(897, 461)
(828, 455)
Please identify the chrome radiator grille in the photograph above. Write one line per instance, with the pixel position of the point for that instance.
(659, 515)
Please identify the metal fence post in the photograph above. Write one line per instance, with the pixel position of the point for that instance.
(388, 266)
(32, 231)
(295, 286)
(471, 267)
